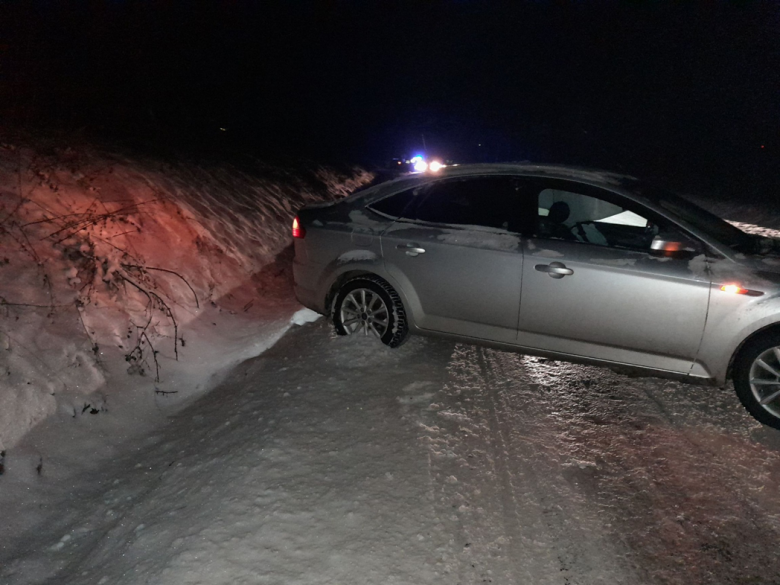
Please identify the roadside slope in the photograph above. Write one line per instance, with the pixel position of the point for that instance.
(111, 264)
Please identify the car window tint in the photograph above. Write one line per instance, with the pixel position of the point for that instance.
(398, 205)
(485, 201)
(567, 215)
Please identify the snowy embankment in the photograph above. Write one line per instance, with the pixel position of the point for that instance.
(127, 285)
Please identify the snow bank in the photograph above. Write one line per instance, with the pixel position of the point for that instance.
(113, 268)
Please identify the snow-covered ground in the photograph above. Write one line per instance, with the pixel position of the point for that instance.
(325, 459)
(333, 460)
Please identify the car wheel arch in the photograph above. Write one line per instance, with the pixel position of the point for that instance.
(339, 281)
(770, 329)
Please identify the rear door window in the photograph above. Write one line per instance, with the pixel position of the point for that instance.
(398, 205)
(499, 202)
(491, 202)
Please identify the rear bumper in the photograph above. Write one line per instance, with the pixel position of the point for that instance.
(305, 287)
(307, 298)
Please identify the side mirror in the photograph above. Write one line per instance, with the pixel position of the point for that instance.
(674, 246)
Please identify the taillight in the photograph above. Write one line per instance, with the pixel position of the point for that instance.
(297, 230)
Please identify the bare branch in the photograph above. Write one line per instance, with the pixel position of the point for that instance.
(93, 218)
(49, 219)
(123, 233)
(154, 356)
(142, 268)
(152, 296)
(4, 303)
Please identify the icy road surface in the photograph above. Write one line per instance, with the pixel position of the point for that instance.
(329, 460)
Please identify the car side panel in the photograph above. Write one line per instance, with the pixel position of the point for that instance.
(615, 304)
(467, 281)
(733, 318)
(338, 239)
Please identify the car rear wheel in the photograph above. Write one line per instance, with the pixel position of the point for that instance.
(757, 378)
(369, 306)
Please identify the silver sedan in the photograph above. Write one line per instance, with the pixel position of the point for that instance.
(566, 263)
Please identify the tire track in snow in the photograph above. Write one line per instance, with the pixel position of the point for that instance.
(457, 433)
(514, 526)
(573, 534)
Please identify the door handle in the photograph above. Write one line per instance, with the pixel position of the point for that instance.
(554, 269)
(411, 249)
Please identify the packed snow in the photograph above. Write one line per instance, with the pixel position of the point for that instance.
(274, 451)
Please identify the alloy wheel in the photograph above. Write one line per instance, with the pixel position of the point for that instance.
(363, 310)
(764, 380)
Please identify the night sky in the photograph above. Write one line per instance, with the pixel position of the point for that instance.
(687, 91)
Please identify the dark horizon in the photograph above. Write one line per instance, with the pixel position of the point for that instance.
(687, 92)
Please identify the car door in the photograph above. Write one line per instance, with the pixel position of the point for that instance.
(456, 255)
(593, 287)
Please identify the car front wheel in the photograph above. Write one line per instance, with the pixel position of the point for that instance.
(369, 306)
(757, 378)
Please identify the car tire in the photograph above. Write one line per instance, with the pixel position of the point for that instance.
(756, 377)
(368, 305)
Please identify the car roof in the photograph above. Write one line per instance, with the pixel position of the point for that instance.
(532, 169)
(626, 185)
(585, 175)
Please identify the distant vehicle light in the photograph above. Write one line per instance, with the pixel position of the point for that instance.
(297, 230)
(415, 159)
(420, 166)
(435, 166)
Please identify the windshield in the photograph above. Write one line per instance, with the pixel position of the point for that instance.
(704, 221)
